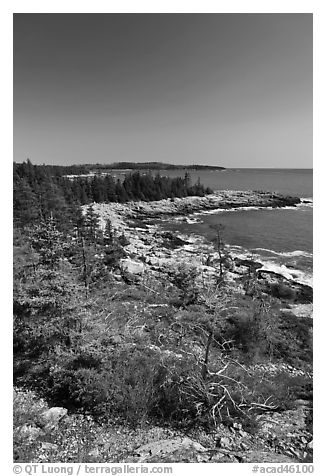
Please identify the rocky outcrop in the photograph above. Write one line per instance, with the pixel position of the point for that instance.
(157, 450)
(249, 264)
(219, 200)
(186, 450)
(229, 444)
(280, 287)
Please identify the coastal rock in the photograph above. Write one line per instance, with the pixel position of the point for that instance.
(249, 264)
(227, 199)
(300, 310)
(228, 263)
(219, 200)
(172, 241)
(280, 287)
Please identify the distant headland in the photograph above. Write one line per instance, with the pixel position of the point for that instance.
(159, 166)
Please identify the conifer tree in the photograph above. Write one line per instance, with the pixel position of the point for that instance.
(25, 203)
(91, 225)
(48, 242)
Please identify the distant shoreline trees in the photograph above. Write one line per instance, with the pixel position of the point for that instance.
(61, 170)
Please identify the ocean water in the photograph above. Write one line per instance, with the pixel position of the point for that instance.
(282, 239)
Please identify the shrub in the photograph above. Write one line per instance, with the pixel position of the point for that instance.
(292, 340)
(172, 402)
(84, 389)
(184, 277)
(259, 330)
(122, 386)
(26, 407)
(250, 330)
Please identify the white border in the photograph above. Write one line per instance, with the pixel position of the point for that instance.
(167, 6)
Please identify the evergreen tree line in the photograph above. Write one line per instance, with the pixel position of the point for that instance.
(41, 191)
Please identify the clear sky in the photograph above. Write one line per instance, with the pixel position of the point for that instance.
(217, 89)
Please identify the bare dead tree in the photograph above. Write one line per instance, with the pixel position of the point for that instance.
(205, 363)
(220, 246)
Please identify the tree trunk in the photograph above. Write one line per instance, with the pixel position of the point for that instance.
(204, 371)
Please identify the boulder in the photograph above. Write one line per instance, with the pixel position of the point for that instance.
(228, 263)
(177, 449)
(259, 456)
(224, 442)
(49, 446)
(132, 267)
(248, 263)
(171, 240)
(30, 432)
(52, 416)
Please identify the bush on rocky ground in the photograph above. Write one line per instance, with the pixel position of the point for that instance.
(184, 278)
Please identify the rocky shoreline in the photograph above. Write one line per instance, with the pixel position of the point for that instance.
(152, 249)
(220, 200)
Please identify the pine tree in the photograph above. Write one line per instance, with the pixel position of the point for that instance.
(48, 242)
(120, 192)
(25, 203)
(110, 189)
(91, 225)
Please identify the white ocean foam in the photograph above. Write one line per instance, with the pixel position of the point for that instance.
(307, 199)
(289, 254)
(192, 221)
(293, 274)
(208, 212)
(249, 208)
(184, 219)
(235, 209)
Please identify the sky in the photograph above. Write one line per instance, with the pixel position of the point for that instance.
(233, 90)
